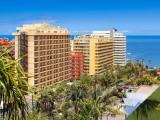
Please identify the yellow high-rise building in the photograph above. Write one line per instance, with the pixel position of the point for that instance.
(47, 50)
(97, 52)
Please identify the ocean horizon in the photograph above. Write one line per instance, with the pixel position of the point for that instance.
(145, 48)
(139, 47)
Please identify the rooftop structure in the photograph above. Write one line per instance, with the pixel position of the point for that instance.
(40, 29)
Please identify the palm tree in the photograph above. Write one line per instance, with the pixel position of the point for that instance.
(12, 84)
(90, 109)
(86, 110)
(46, 101)
(108, 79)
(76, 93)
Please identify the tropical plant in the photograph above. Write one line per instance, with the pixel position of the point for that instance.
(75, 94)
(90, 109)
(91, 96)
(147, 79)
(12, 84)
(109, 78)
(47, 100)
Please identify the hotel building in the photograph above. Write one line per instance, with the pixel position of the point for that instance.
(119, 44)
(77, 68)
(45, 53)
(97, 52)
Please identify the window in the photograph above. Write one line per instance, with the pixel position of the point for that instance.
(36, 59)
(36, 48)
(35, 42)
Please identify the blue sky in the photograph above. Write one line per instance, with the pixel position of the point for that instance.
(81, 16)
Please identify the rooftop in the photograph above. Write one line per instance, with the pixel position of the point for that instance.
(134, 99)
(145, 89)
(104, 34)
(33, 29)
(109, 33)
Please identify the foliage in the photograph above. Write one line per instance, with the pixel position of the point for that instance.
(136, 74)
(91, 96)
(37, 116)
(12, 84)
(83, 99)
(147, 79)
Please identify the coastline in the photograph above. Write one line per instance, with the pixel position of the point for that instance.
(139, 47)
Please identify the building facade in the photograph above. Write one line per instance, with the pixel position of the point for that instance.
(97, 52)
(45, 53)
(119, 44)
(119, 39)
(77, 68)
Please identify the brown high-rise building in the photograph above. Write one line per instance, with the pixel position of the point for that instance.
(45, 53)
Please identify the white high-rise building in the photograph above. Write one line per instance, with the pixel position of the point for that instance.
(119, 44)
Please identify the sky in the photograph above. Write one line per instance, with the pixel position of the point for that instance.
(134, 17)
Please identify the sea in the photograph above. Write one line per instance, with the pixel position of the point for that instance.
(145, 48)
(139, 47)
